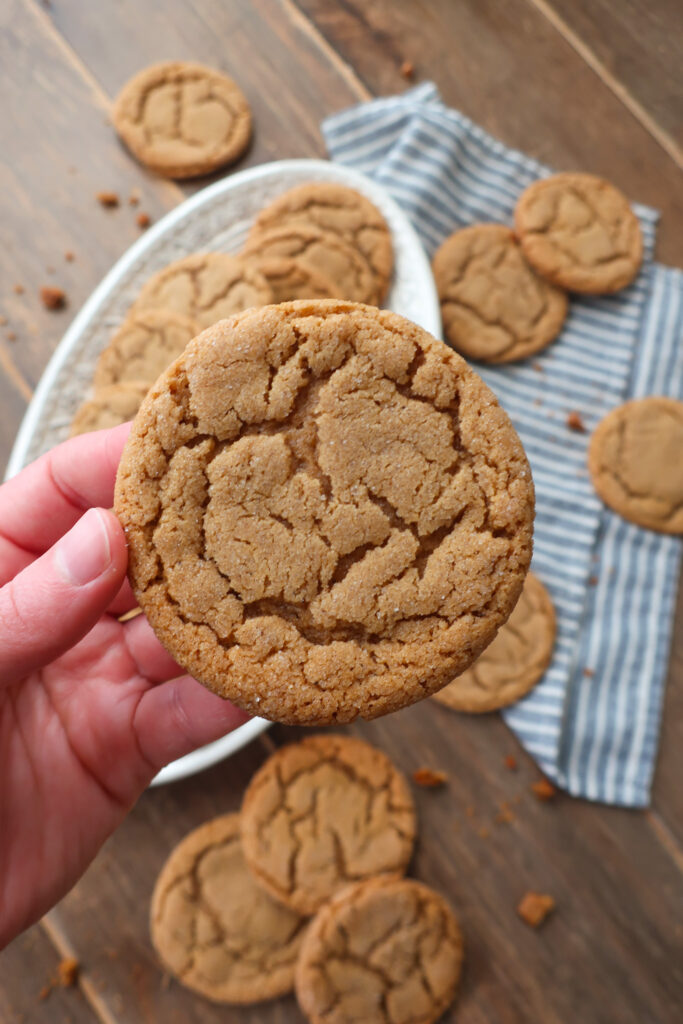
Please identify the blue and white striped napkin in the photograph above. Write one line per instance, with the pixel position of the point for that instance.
(592, 723)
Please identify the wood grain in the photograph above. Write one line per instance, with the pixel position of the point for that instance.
(508, 68)
(641, 45)
(28, 966)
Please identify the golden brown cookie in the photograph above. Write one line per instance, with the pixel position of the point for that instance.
(635, 459)
(494, 306)
(342, 211)
(580, 233)
(384, 950)
(183, 119)
(144, 345)
(328, 513)
(288, 279)
(206, 287)
(322, 813)
(514, 662)
(217, 931)
(330, 256)
(109, 406)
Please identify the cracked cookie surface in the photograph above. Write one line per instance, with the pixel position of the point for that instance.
(636, 462)
(328, 513)
(183, 119)
(494, 306)
(322, 813)
(206, 287)
(217, 931)
(109, 407)
(328, 255)
(144, 345)
(385, 951)
(579, 232)
(514, 661)
(342, 211)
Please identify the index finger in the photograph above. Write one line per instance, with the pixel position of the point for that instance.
(42, 502)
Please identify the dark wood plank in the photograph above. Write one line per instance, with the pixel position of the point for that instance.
(27, 966)
(507, 67)
(640, 45)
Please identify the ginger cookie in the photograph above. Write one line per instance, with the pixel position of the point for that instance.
(329, 255)
(580, 233)
(288, 279)
(322, 813)
(383, 950)
(183, 119)
(340, 211)
(145, 344)
(328, 513)
(205, 287)
(635, 459)
(214, 928)
(109, 407)
(514, 662)
(494, 306)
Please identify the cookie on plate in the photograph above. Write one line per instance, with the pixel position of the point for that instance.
(321, 812)
(328, 513)
(580, 233)
(514, 661)
(635, 460)
(331, 256)
(214, 928)
(109, 407)
(183, 119)
(381, 950)
(494, 306)
(205, 287)
(144, 345)
(342, 211)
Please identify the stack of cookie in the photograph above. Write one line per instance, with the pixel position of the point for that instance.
(504, 293)
(304, 889)
(318, 240)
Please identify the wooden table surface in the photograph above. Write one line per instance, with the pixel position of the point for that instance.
(587, 84)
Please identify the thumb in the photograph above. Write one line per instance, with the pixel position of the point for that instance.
(55, 601)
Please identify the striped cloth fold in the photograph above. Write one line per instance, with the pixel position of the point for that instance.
(593, 721)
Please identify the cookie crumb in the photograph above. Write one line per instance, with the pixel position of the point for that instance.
(134, 197)
(408, 70)
(505, 814)
(109, 199)
(510, 763)
(538, 403)
(589, 673)
(52, 298)
(69, 256)
(429, 778)
(45, 991)
(534, 907)
(537, 367)
(68, 970)
(143, 220)
(19, 289)
(592, 581)
(574, 422)
(543, 790)
(11, 336)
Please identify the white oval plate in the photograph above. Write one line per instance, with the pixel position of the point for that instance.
(216, 218)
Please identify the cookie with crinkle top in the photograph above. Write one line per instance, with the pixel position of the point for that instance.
(579, 232)
(144, 345)
(109, 406)
(183, 119)
(328, 513)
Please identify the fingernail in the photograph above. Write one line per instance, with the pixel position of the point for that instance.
(84, 553)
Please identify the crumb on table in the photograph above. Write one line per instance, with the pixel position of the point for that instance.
(408, 69)
(109, 199)
(543, 790)
(510, 763)
(52, 298)
(574, 422)
(19, 289)
(429, 778)
(534, 907)
(143, 220)
(68, 970)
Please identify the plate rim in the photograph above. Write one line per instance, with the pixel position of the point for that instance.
(225, 746)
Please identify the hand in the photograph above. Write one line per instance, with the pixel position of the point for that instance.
(90, 708)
